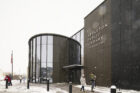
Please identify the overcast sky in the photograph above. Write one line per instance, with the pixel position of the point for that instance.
(21, 19)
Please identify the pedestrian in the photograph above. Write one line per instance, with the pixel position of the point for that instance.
(9, 80)
(24, 79)
(10, 83)
(6, 77)
(93, 78)
(83, 83)
(20, 78)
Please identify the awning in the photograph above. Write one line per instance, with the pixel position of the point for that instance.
(74, 66)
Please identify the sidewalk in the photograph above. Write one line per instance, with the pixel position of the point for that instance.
(65, 86)
(39, 88)
(54, 88)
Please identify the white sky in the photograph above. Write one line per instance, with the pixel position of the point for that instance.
(21, 19)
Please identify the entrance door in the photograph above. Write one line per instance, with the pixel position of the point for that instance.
(74, 76)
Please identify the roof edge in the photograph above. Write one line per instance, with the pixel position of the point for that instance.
(53, 34)
(95, 8)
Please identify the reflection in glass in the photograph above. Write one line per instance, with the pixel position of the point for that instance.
(50, 40)
(50, 57)
(44, 40)
(80, 38)
(43, 56)
(38, 60)
(46, 47)
(50, 53)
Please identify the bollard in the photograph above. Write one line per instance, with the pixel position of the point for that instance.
(113, 89)
(70, 87)
(20, 80)
(28, 84)
(6, 83)
(47, 84)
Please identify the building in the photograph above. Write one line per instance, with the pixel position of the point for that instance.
(55, 57)
(111, 43)
(109, 48)
(79, 36)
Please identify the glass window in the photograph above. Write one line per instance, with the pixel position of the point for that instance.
(82, 35)
(38, 59)
(43, 52)
(50, 40)
(49, 64)
(43, 55)
(74, 37)
(49, 53)
(44, 40)
(43, 65)
(79, 37)
(78, 53)
(38, 49)
(38, 40)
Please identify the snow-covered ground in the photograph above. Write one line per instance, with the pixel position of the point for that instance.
(54, 88)
(107, 90)
(18, 87)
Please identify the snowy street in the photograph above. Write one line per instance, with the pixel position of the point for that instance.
(54, 88)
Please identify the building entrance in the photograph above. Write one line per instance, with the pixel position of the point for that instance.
(74, 75)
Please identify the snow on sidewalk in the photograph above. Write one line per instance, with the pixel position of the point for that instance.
(22, 88)
(105, 89)
(54, 88)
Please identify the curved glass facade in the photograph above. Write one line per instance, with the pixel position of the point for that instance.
(79, 36)
(48, 53)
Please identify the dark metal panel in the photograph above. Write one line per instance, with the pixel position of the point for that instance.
(123, 52)
(135, 18)
(97, 44)
(60, 58)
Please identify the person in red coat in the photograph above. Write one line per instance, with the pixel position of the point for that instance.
(9, 80)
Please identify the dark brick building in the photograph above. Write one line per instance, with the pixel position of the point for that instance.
(112, 36)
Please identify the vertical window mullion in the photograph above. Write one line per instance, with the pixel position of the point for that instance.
(35, 57)
(40, 55)
(46, 54)
(32, 60)
(29, 61)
